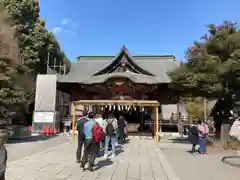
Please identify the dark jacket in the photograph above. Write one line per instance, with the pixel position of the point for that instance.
(80, 126)
(193, 136)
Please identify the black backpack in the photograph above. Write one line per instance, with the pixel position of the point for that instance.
(109, 128)
(193, 130)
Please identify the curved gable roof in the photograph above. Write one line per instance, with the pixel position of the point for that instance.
(117, 61)
(88, 66)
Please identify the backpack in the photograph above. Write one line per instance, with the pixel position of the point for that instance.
(109, 128)
(193, 130)
(97, 133)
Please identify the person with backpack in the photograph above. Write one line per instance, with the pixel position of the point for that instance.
(98, 133)
(81, 137)
(193, 137)
(110, 130)
(93, 135)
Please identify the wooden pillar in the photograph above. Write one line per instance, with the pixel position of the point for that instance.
(73, 121)
(156, 124)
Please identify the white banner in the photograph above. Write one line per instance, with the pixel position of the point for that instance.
(43, 117)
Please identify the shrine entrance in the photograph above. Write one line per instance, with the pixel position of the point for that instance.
(123, 89)
(127, 103)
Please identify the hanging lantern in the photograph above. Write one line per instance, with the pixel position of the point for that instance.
(142, 109)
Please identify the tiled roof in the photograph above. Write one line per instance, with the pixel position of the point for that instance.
(83, 71)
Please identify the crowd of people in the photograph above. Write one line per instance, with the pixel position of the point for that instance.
(198, 136)
(96, 132)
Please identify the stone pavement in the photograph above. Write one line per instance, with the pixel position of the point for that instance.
(208, 167)
(20, 149)
(136, 160)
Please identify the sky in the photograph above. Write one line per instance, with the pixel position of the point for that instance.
(101, 27)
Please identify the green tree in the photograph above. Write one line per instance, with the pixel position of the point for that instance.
(37, 45)
(24, 17)
(11, 91)
(194, 107)
(212, 67)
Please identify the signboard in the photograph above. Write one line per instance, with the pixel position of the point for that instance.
(43, 117)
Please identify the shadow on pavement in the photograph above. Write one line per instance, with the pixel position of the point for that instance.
(31, 139)
(103, 163)
(119, 151)
(180, 140)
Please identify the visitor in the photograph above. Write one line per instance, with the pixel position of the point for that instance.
(203, 132)
(89, 146)
(81, 137)
(121, 126)
(99, 119)
(193, 137)
(110, 129)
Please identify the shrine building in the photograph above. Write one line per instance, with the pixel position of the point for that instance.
(121, 78)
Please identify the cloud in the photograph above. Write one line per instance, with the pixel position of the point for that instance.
(69, 22)
(67, 25)
(57, 30)
(66, 21)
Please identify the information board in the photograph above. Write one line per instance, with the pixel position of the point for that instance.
(44, 117)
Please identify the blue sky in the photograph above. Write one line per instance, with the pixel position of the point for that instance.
(101, 27)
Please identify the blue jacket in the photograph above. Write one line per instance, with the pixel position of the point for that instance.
(88, 128)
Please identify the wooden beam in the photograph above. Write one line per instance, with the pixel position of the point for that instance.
(142, 103)
(73, 122)
(156, 124)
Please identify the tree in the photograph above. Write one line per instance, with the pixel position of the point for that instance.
(11, 92)
(37, 45)
(194, 107)
(24, 17)
(212, 67)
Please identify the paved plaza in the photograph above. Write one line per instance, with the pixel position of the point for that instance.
(137, 160)
(207, 167)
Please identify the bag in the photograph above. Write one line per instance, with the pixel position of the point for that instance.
(109, 128)
(193, 130)
(235, 129)
(97, 133)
